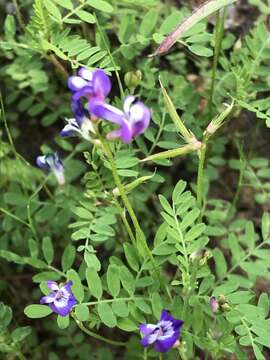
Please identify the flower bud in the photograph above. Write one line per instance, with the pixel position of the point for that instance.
(214, 304)
(226, 307)
(133, 79)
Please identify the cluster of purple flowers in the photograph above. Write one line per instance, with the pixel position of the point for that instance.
(95, 86)
(132, 120)
(164, 335)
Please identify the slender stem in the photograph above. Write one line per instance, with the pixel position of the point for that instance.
(96, 336)
(111, 57)
(125, 222)
(13, 216)
(139, 233)
(13, 148)
(219, 29)
(200, 176)
(19, 14)
(59, 67)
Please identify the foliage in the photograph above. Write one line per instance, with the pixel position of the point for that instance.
(176, 218)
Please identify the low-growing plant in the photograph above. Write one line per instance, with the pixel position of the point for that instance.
(145, 233)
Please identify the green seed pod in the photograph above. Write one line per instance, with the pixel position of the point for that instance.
(133, 79)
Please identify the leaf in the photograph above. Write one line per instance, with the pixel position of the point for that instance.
(142, 305)
(94, 282)
(63, 321)
(21, 333)
(86, 16)
(120, 308)
(106, 314)
(220, 262)
(47, 249)
(127, 325)
(53, 10)
(101, 5)
(178, 190)
(199, 14)
(264, 303)
(156, 304)
(189, 218)
(82, 312)
(113, 279)
(165, 204)
(200, 50)
(37, 311)
(68, 257)
(265, 226)
(127, 280)
(67, 4)
(76, 287)
(149, 22)
(131, 256)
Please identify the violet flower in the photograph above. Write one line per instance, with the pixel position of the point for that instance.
(52, 162)
(132, 121)
(60, 300)
(164, 334)
(89, 84)
(214, 304)
(81, 124)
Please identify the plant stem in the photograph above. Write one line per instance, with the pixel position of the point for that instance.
(19, 14)
(219, 29)
(125, 222)
(14, 216)
(200, 176)
(96, 336)
(139, 233)
(111, 57)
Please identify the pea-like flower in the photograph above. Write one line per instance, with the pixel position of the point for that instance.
(61, 300)
(53, 163)
(164, 335)
(132, 121)
(81, 124)
(89, 84)
(214, 304)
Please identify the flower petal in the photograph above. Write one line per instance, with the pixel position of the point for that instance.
(48, 299)
(52, 285)
(127, 103)
(167, 343)
(42, 162)
(108, 112)
(101, 84)
(85, 74)
(71, 128)
(76, 83)
(140, 118)
(147, 329)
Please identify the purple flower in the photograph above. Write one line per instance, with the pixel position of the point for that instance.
(89, 84)
(214, 304)
(81, 124)
(164, 334)
(52, 162)
(60, 300)
(132, 121)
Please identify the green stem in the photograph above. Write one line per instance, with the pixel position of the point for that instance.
(139, 233)
(219, 29)
(111, 57)
(125, 222)
(200, 177)
(96, 336)
(20, 167)
(19, 14)
(14, 217)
